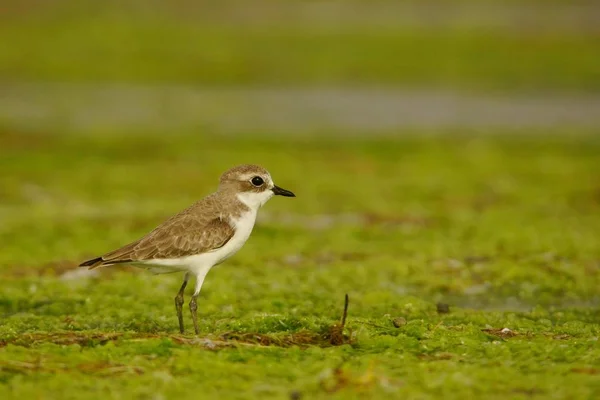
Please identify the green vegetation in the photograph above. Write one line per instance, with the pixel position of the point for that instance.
(503, 229)
(215, 45)
(472, 262)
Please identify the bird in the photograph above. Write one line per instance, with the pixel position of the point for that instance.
(201, 236)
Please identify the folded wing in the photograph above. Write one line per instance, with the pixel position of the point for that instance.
(183, 235)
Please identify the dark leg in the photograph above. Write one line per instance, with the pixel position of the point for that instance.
(179, 303)
(194, 310)
(194, 300)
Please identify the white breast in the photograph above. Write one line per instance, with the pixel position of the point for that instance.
(243, 228)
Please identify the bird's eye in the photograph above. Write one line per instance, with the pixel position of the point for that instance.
(257, 181)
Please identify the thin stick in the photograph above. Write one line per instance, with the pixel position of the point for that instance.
(346, 300)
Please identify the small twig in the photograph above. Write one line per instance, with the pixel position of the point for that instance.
(336, 332)
(345, 314)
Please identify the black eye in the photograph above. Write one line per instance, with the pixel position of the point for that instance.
(257, 181)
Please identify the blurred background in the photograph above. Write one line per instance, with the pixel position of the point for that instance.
(295, 67)
(415, 131)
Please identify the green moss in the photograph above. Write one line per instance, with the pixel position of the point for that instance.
(502, 229)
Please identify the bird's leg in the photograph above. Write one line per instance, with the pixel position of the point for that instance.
(194, 310)
(194, 300)
(179, 302)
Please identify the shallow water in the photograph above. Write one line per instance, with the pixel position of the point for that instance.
(94, 107)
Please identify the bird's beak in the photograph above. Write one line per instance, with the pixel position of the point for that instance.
(282, 192)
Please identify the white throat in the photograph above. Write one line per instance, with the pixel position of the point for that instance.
(254, 200)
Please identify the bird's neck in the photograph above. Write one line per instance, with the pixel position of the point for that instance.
(254, 201)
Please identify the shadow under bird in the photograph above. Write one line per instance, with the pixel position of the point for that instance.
(203, 235)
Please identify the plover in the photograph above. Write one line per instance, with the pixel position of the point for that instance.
(203, 235)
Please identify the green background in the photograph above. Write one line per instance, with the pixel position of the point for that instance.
(500, 222)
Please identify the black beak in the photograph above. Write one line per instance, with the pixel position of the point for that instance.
(282, 192)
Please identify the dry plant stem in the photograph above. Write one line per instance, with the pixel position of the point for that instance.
(336, 332)
(346, 300)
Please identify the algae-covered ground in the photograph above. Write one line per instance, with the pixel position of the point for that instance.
(470, 257)
(472, 266)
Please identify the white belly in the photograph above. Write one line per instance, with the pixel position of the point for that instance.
(200, 263)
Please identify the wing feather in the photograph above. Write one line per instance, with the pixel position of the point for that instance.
(183, 239)
(185, 234)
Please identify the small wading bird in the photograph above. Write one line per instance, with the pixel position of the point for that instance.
(203, 235)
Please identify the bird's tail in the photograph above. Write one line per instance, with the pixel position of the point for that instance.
(93, 263)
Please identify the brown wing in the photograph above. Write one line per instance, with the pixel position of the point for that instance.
(180, 240)
(185, 234)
